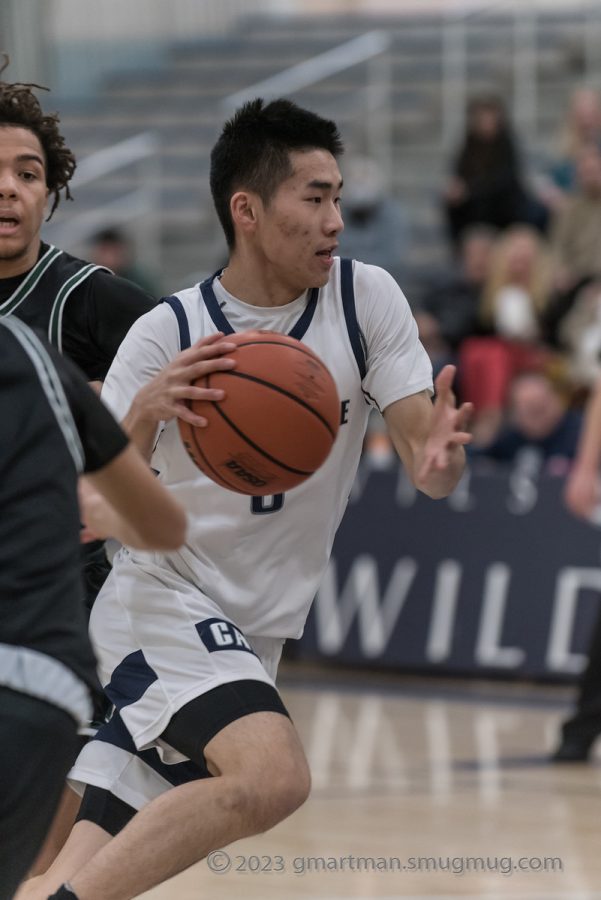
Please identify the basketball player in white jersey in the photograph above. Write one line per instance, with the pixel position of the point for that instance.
(200, 751)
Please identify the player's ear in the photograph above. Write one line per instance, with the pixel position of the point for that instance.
(243, 208)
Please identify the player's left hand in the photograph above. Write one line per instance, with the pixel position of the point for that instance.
(92, 512)
(447, 427)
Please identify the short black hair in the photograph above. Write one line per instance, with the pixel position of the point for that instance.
(253, 151)
(20, 108)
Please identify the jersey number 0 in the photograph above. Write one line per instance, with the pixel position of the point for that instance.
(261, 506)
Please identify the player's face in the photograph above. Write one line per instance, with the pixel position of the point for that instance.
(23, 196)
(298, 229)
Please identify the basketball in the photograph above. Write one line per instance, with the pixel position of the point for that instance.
(277, 423)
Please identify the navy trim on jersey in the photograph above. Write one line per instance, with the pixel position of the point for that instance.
(371, 400)
(212, 305)
(298, 330)
(130, 680)
(182, 320)
(350, 314)
(116, 734)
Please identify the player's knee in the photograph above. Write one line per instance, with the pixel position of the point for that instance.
(261, 799)
(284, 789)
(297, 787)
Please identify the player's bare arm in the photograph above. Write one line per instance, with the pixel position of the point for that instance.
(166, 395)
(429, 437)
(125, 501)
(583, 488)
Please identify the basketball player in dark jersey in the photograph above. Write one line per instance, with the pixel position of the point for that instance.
(54, 427)
(84, 310)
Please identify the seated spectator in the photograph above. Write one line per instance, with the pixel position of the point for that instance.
(449, 310)
(487, 185)
(378, 451)
(514, 299)
(375, 227)
(579, 335)
(576, 228)
(582, 127)
(113, 249)
(539, 418)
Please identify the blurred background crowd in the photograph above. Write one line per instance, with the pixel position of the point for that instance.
(473, 168)
(519, 307)
(517, 304)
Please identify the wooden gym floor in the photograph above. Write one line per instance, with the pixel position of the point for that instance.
(452, 772)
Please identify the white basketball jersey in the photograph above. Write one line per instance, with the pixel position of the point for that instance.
(261, 559)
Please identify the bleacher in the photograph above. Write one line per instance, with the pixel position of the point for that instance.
(182, 101)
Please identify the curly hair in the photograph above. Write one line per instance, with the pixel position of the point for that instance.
(19, 107)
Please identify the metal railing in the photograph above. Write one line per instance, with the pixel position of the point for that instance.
(372, 103)
(139, 203)
(524, 55)
(371, 48)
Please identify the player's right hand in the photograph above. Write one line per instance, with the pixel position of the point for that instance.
(168, 393)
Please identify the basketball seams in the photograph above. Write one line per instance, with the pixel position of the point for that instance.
(256, 447)
(291, 346)
(281, 390)
(192, 433)
(204, 455)
(231, 485)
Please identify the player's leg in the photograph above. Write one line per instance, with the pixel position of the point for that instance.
(60, 829)
(121, 780)
(38, 743)
(260, 777)
(233, 685)
(580, 731)
(96, 568)
(84, 841)
(110, 759)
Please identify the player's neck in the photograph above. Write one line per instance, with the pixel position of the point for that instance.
(12, 266)
(254, 285)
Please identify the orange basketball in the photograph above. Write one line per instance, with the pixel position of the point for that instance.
(277, 422)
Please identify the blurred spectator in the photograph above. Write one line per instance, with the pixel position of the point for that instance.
(539, 418)
(486, 185)
(514, 299)
(377, 447)
(113, 249)
(375, 227)
(449, 310)
(582, 127)
(576, 228)
(579, 335)
(447, 313)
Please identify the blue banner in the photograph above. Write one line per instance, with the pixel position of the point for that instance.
(498, 579)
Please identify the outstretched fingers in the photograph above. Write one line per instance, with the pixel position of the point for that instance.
(444, 385)
(464, 414)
